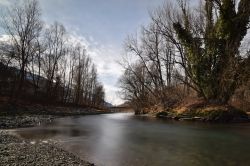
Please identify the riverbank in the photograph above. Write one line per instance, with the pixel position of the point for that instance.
(17, 151)
(200, 111)
(16, 116)
(206, 113)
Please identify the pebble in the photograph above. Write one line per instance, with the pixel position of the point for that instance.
(14, 151)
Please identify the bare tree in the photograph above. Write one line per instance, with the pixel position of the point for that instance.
(55, 42)
(44, 61)
(34, 67)
(23, 26)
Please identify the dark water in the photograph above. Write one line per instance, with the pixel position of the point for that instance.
(126, 140)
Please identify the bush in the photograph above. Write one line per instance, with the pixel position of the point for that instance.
(232, 115)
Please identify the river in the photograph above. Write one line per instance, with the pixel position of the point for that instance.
(123, 139)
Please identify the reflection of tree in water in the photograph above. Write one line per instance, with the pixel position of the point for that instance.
(37, 133)
(72, 129)
(135, 140)
(75, 132)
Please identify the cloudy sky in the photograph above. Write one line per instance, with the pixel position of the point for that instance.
(102, 25)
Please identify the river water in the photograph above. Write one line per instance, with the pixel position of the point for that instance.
(123, 139)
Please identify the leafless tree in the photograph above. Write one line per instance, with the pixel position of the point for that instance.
(45, 61)
(55, 43)
(23, 25)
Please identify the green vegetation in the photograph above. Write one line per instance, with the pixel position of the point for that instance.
(213, 57)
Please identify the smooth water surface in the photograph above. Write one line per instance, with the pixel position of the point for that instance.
(123, 139)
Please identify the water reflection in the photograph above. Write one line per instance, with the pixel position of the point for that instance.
(37, 134)
(66, 127)
(124, 140)
(120, 116)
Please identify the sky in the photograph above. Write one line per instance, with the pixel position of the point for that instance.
(102, 26)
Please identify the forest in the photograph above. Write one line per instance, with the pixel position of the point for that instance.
(190, 57)
(41, 63)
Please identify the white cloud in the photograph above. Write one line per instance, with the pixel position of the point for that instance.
(106, 58)
(112, 94)
(4, 38)
(244, 48)
(4, 2)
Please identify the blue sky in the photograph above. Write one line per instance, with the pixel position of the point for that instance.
(102, 25)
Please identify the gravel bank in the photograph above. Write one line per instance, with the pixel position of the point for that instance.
(15, 151)
(17, 116)
(9, 122)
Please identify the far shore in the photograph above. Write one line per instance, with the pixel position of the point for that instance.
(199, 113)
(16, 116)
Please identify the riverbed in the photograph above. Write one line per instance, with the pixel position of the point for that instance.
(123, 139)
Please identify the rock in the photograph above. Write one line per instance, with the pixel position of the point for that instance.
(14, 152)
(8, 122)
(197, 118)
(162, 114)
(176, 118)
(186, 119)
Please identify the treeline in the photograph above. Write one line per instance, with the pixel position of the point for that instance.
(188, 50)
(39, 63)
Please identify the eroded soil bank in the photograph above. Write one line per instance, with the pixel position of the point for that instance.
(201, 112)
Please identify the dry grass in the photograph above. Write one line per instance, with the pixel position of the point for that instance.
(188, 103)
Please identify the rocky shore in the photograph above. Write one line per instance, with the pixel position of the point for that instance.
(17, 116)
(17, 151)
(10, 122)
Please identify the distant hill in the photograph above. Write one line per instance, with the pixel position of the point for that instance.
(126, 104)
(107, 104)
